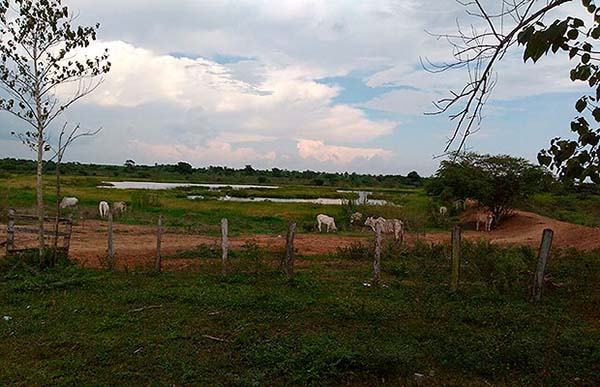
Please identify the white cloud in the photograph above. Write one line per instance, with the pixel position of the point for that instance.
(402, 102)
(211, 152)
(310, 149)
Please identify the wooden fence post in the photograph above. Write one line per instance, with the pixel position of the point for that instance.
(67, 237)
(288, 266)
(377, 259)
(157, 263)
(10, 231)
(456, 252)
(544, 253)
(111, 256)
(224, 246)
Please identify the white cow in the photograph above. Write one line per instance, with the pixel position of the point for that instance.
(327, 221)
(68, 202)
(388, 226)
(443, 211)
(356, 218)
(103, 208)
(486, 218)
(119, 208)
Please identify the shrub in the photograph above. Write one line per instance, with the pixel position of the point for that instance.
(355, 252)
(145, 200)
(503, 269)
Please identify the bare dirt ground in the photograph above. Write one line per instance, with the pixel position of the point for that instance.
(135, 245)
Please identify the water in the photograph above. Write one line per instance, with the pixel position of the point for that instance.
(363, 196)
(321, 201)
(161, 186)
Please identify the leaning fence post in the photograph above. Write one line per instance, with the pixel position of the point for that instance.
(10, 231)
(543, 254)
(377, 258)
(224, 245)
(157, 263)
(288, 266)
(456, 250)
(111, 256)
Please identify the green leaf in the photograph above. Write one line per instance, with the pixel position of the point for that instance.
(585, 58)
(581, 105)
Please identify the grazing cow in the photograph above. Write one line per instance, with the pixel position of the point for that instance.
(443, 211)
(327, 221)
(486, 218)
(103, 208)
(388, 226)
(69, 202)
(356, 218)
(119, 208)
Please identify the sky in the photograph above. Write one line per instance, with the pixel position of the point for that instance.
(324, 85)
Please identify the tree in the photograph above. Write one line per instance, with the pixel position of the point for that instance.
(496, 182)
(413, 178)
(39, 58)
(129, 164)
(497, 27)
(184, 168)
(65, 139)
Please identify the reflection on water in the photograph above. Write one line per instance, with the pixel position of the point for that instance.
(323, 201)
(161, 186)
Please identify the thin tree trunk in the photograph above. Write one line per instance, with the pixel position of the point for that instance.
(40, 195)
(40, 151)
(58, 199)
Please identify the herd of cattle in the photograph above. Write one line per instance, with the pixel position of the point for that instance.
(387, 226)
(396, 226)
(103, 207)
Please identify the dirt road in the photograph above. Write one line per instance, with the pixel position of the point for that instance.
(135, 245)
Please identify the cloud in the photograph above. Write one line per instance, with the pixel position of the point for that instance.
(402, 102)
(211, 152)
(310, 149)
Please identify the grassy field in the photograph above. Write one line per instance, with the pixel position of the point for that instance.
(574, 208)
(73, 327)
(412, 205)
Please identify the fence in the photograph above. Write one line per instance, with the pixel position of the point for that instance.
(22, 232)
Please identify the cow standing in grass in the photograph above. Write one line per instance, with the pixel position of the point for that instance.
(119, 208)
(103, 208)
(69, 202)
(327, 221)
(388, 226)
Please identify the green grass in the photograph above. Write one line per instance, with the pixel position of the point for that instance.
(574, 208)
(205, 215)
(75, 327)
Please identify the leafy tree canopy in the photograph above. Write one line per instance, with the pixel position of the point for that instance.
(496, 182)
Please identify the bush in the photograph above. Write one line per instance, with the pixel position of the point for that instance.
(503, 269)
(355, 252)
(253, 254)
(145, 200)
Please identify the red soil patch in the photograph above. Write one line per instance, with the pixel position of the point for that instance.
(135, 245)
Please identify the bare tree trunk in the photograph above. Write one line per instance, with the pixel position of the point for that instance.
(40, 194)
(56, 221)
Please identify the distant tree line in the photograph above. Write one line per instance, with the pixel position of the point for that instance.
(185, 171)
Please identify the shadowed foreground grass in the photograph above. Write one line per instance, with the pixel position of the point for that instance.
(68, 326)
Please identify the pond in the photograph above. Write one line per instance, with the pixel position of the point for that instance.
(161, 186)
(322, 201)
